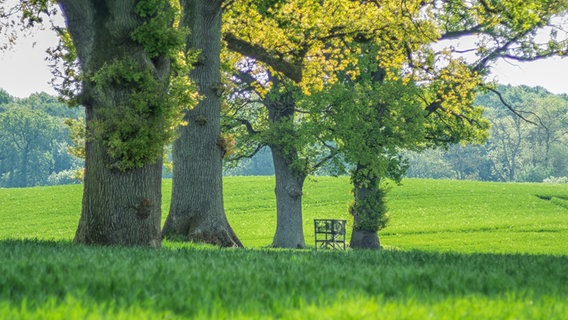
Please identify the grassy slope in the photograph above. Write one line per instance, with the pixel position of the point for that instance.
(462, 216)
(459, 260)
(479, 217)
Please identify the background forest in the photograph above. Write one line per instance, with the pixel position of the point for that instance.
(526, 144)
(530, 146)
(35, 141)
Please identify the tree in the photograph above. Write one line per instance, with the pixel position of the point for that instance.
(124, 49)
(520, 148)
(35, 142)
(387, 118)
(289, 169)
(27, 138)
(197, 212)
(5, 98)
(311, 51)
(258, 119)
(450, 81)
(517, 149)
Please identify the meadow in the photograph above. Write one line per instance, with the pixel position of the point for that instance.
(453, 250)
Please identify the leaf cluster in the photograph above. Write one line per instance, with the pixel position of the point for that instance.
(310, 42)
(135, 131)
(157, 34)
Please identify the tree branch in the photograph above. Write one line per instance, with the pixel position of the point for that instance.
(513, 110)
(248, 155)
(248, 125)
(451, 35)
(289, 69)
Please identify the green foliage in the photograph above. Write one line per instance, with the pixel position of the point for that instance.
(33, 11)
(370, 121)
(65, 68)
(156, 33)
(135, 132)
(371, 212)
(375, 120)
(516, 149)
(506, 29)
(34, 142)
(5, 97)
(369, 131)
(150, 105)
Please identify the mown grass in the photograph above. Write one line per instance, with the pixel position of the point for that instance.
(455, 250)
(463, 216)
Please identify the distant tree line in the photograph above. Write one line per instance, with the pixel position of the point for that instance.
(35, 141)
(532, 149)
(526, 144)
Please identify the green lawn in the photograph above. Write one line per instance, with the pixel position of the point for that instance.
(455, 250)
(437, 215)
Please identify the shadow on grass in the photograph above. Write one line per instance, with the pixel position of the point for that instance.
(199, 280)
(560, 201)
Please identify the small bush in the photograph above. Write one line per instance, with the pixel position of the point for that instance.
(64, 177)
(556, 180)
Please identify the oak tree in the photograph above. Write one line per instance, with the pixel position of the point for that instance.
(197, 211)
(124, 49)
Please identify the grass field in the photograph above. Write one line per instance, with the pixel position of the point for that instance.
(455, 250)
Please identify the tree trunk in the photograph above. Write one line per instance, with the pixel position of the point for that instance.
(24, 175)
(368, 210)
(289, 178)
(120, 207)
(196, 211)
(363, 239)
(289, 186)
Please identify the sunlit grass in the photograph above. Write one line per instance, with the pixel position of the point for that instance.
(463, 216)
(455, 250)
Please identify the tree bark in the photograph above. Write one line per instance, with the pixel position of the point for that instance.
(363, 239)
(289, 179)
(120, 207)
(289, 186)
(197, 212)
(365, 218)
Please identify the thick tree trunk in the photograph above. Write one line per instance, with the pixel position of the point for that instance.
(289, 178)
(289, 186)
(120, 207)
(361, 238)
(196, 211)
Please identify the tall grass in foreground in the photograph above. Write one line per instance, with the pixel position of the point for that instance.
(57, 280)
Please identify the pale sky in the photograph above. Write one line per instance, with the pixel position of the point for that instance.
(23, 69)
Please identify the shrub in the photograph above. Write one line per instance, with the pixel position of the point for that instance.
(556, 180)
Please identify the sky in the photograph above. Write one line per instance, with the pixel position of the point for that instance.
(24, 70)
